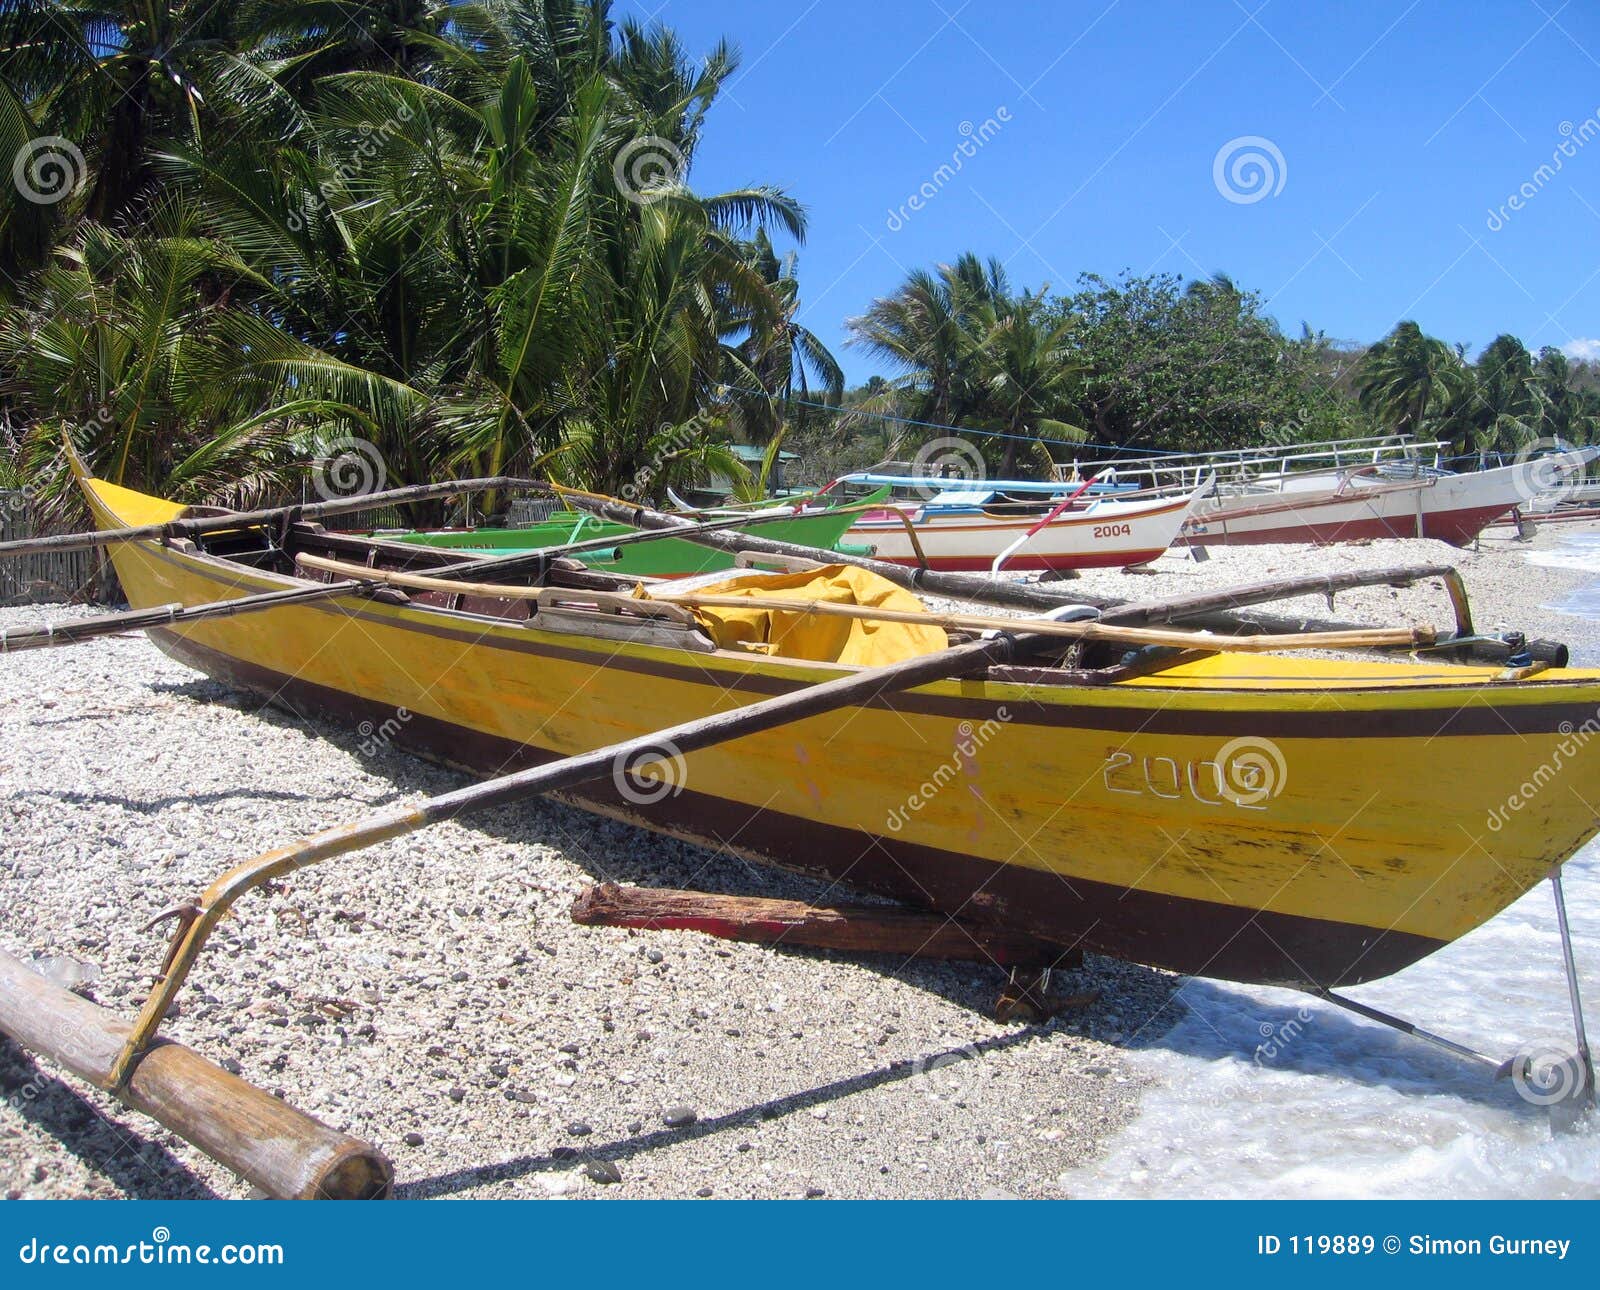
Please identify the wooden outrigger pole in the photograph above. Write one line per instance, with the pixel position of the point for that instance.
(287, 1153)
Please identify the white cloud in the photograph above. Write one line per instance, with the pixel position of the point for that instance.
(1587, 350)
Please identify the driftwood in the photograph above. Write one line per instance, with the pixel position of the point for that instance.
(283, 1151)
(881, 929)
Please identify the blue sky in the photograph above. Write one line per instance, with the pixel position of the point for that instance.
(1390, 138)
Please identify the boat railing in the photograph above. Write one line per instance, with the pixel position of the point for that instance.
(1262, 469)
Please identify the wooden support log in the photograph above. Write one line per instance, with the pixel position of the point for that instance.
(878, 929)
(283, 1151)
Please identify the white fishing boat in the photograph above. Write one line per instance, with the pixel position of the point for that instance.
(1348, 490)
(1025, 525)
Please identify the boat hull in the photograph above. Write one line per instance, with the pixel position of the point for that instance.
(1449, 508)
(1090, 815)
(1111, 535)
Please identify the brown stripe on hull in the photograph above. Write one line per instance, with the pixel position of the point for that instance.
(1202, 938)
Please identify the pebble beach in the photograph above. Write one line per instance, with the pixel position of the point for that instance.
(433, 997)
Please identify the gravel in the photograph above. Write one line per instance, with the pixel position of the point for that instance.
(432, 996)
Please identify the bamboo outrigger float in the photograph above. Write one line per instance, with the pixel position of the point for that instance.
(799, 717)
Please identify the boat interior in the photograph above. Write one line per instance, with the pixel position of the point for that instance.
(564, 595)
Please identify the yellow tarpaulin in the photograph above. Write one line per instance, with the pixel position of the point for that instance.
(811, 636)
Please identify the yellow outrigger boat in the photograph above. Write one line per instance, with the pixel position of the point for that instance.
(1302, 821)
(1080, 780)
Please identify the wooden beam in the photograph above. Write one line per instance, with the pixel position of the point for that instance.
(876, 929)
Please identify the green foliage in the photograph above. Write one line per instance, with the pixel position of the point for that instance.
(408, 221)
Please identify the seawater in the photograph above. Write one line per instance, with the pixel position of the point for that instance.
(1267, 1093)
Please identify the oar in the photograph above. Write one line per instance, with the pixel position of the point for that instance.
(1369, 638)
(661, 746)
(198, 525)
(1063, 504)
(179, 615)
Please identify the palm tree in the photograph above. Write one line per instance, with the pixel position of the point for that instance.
(970, 351)
(442, 251)
(1030, 375)
(1405, 376)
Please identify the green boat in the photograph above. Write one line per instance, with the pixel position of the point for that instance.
(664, 558)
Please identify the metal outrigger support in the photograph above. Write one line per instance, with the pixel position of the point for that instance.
(1583, 1097)
(1573, 1094)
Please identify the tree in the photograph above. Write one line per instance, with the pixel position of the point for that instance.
(1405, 376)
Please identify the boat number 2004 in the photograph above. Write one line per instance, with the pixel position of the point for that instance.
(1113, 530)
(1244, 773)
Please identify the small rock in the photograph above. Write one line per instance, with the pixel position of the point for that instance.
(232, 1065)
(680, 1117)
(564, 1153)
(655, 956)
(412, 1139)
(704, 1193)
(456, 1094)
(580, 1129)
(570, 1048)
(603, 1172)
(458, 977)
(815, 1193)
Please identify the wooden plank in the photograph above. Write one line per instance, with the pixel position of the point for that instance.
(877, 929)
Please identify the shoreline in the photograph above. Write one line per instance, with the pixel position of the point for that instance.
(487, 1035)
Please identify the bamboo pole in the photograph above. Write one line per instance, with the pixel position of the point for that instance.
(199, 525)
(281, 1150)
(178, 615)
(199, 920)
(1225, 618)
(1095, 630)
